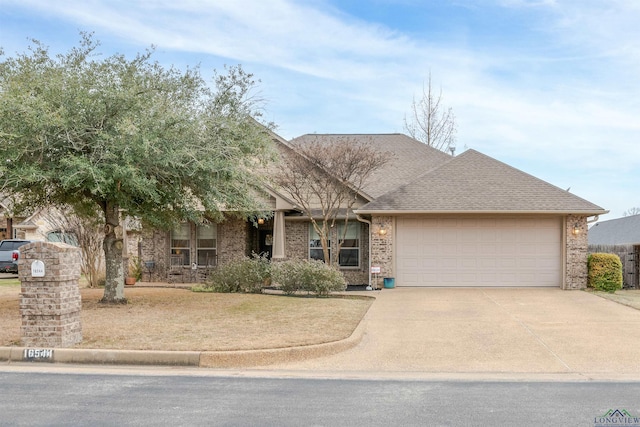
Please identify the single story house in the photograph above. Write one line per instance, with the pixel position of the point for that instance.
(426, 218)
(620, 236)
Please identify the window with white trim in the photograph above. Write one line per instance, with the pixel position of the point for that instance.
(349, 255)
(206, 244)
(315, 246)
(181, 243)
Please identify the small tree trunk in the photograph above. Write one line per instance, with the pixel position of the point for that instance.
(325, 249)
(114, 283)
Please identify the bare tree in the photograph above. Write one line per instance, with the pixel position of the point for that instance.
(430, 122)
(325, 178)
(85, 232)
(632, 211)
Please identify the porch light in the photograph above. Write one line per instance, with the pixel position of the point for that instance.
(382, 231)
(260, 221)
(576, 229)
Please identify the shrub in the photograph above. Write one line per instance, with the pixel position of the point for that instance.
(312, 276)
(605, 272)
(135, 268)
(287, 276)
(249, 275)
(252, 274)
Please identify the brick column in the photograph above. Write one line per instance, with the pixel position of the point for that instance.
(382, 244)
(50, 300)
(576, 229)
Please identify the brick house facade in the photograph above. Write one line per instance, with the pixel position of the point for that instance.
(426, 218)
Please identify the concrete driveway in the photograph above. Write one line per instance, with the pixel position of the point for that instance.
(492, 330)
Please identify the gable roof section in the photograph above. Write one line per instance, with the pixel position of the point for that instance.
(410, 158)
(474, 182)
(620, 231)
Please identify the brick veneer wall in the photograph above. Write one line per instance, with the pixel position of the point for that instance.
(233, 240)
(576, 253)
(297, 239)
(50, 306)
(233, 243)
(382, 246)
(154, 246)
(297, 247)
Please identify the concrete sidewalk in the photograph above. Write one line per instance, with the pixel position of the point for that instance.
(494, 330)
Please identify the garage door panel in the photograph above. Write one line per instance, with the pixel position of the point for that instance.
(486, 236)
(524, 263)
(546, 263)
(448, 263)
(467, 263)
(478, 252)
(488, 263)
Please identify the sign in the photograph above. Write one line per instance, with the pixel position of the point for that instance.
(37, 269)
(375, 270)
(31, 354)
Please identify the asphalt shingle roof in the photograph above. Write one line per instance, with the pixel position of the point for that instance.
(474, 182)
(620, 231)
(410, 158)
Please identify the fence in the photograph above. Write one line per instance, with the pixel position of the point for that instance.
(630, 258)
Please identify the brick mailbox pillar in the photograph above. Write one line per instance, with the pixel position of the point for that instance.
(50, 300)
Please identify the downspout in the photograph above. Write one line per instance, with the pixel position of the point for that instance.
(366, 221)
(595, 218)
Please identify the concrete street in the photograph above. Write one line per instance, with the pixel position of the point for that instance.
(45, 399)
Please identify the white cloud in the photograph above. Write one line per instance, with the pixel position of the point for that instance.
(563, 94)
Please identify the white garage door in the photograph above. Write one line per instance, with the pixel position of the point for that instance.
(478, 252)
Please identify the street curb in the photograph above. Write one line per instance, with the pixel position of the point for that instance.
(203, 359)
(249, 358)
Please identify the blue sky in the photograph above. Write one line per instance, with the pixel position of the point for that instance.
(548, 86)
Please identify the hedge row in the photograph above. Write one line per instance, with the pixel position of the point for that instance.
(251, 275)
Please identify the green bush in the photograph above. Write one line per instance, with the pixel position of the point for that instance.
(249, 275)
(605, 272)
(312, 276)
(287, 275)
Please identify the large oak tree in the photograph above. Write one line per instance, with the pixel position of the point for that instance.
(126, 136)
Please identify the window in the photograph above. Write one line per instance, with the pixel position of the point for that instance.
(62, 236)
(315, 247)
(349, 255)
(207, 241)
(180, 243)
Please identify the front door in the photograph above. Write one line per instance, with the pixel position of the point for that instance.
(265, 244)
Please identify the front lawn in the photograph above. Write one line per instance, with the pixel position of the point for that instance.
(178, 319)
(628, 297)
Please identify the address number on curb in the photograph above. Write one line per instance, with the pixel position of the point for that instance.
(33, 354)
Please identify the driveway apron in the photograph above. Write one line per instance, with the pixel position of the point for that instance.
(492, 330)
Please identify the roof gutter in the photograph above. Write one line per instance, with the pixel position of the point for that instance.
(594, 219)
(475, 212)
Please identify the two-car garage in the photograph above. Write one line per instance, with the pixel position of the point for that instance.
(478, 251)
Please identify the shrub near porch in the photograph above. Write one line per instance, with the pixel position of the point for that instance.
(252, 275)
